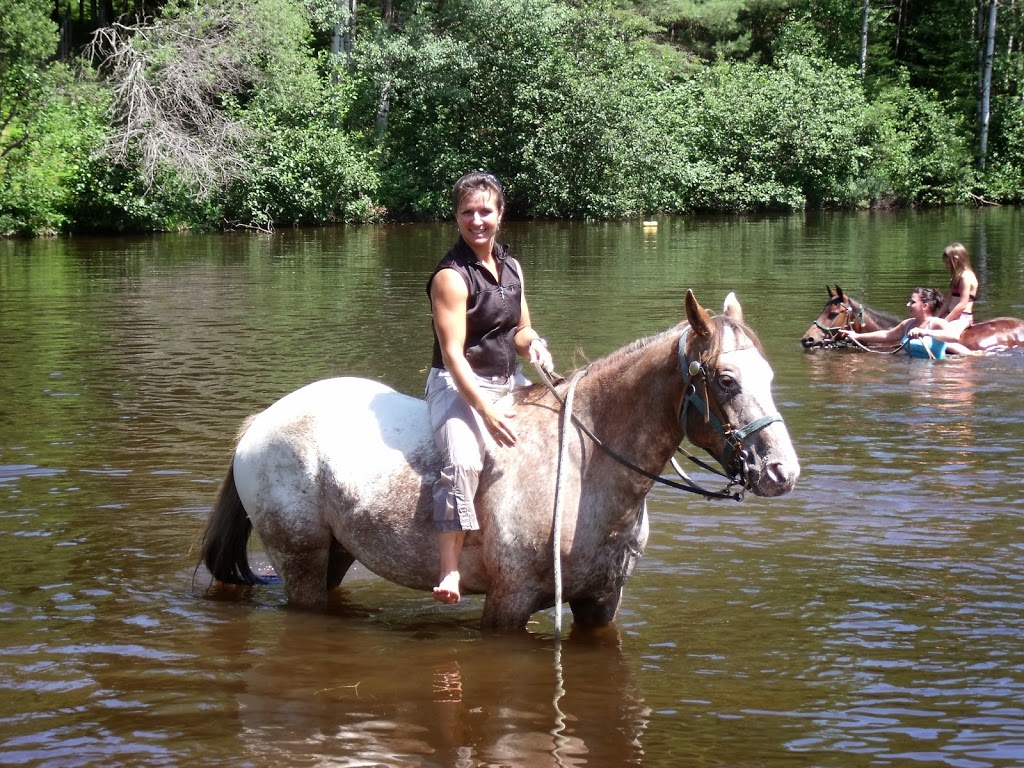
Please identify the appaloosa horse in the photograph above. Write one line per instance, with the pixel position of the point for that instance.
(342, 469)
(843, 312)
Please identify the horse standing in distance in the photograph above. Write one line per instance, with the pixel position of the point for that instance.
(342, 470)
(843, 312)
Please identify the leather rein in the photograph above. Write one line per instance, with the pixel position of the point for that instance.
(734, 454)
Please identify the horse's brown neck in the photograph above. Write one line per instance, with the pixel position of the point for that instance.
(870, 319)
(631, 402)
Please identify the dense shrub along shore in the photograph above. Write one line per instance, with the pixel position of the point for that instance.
(269, 113)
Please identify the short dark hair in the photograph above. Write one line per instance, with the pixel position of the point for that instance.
(476, 181)
(931, 297)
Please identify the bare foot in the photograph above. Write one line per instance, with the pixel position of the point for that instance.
(448, 590)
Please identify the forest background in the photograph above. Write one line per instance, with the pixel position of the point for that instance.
(141, 115)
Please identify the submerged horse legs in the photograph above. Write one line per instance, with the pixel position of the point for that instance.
(308, 559)
(596, 611)
(310, 572)
(338, 563)
(506, 611)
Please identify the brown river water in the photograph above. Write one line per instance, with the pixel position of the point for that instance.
(872, 617)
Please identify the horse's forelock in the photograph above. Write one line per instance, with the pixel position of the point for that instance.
(710, 349)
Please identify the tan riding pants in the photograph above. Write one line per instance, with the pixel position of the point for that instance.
(459, 436)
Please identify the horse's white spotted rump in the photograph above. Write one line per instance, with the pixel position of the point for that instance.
(342, 470)
(390, 427)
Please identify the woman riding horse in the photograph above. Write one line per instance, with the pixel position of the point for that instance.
(481, 322)
(342, 470)
(958, 308)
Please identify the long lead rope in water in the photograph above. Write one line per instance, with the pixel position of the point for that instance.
(558, 732)
(902, 344)
(563, 461)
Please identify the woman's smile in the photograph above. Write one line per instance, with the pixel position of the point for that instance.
(479, 216)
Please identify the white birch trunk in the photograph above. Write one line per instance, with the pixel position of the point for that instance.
(986, 82)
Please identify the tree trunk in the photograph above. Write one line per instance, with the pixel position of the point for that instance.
(864, 38)
(901, 19)
(344, 36)
(986, 82)
(383, 110)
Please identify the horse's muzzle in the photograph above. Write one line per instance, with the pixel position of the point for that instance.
(771, 477)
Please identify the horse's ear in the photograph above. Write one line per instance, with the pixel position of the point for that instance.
(830, 294)
(699, 319)
(839, 292)
(731, 308)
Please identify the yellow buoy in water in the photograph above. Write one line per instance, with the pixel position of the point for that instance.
(650, 223)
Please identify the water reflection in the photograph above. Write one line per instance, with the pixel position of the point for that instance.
(416, 695)
(871, 617)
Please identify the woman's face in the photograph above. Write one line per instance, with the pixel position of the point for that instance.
(918, 309)
(478, 218)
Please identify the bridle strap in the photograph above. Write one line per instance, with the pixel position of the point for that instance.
(711, 411)
(853, 315)
(689, 486)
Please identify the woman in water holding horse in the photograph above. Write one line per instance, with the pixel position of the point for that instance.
(958, 308)
(923, 304)
(481, 324)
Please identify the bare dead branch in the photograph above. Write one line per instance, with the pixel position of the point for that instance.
(170, 83)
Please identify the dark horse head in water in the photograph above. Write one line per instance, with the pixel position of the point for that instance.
(842, 312)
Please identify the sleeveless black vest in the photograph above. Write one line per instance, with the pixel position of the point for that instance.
(493, 310)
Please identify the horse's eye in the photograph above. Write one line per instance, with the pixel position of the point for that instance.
(727, 381)
(833, 315)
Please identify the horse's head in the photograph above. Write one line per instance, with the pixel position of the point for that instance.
(727, 406)
(841, 312)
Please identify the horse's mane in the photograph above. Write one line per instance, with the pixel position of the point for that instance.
(883, 319)
(708, 354)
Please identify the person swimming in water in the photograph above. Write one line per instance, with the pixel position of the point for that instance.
(922, 334)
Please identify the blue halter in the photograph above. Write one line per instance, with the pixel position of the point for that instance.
(733, 452)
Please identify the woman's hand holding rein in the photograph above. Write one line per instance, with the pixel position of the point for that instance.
(536, 350)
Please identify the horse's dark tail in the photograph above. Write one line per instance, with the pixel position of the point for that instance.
(224, 544)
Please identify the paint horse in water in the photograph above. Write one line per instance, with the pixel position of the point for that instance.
(842, 312)
(342, 470)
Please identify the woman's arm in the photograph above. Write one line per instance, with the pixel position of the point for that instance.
(937, 328)
(449, 297)
(888, 336)
(529, 344)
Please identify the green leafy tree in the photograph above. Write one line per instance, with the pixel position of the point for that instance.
(550, 97)
(222, 108)
(919, 153)
(309, 171)
(1004, 180)
(49, 124)
(790, 137)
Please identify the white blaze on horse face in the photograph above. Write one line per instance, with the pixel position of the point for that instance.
(748, 367)
(774, 466)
